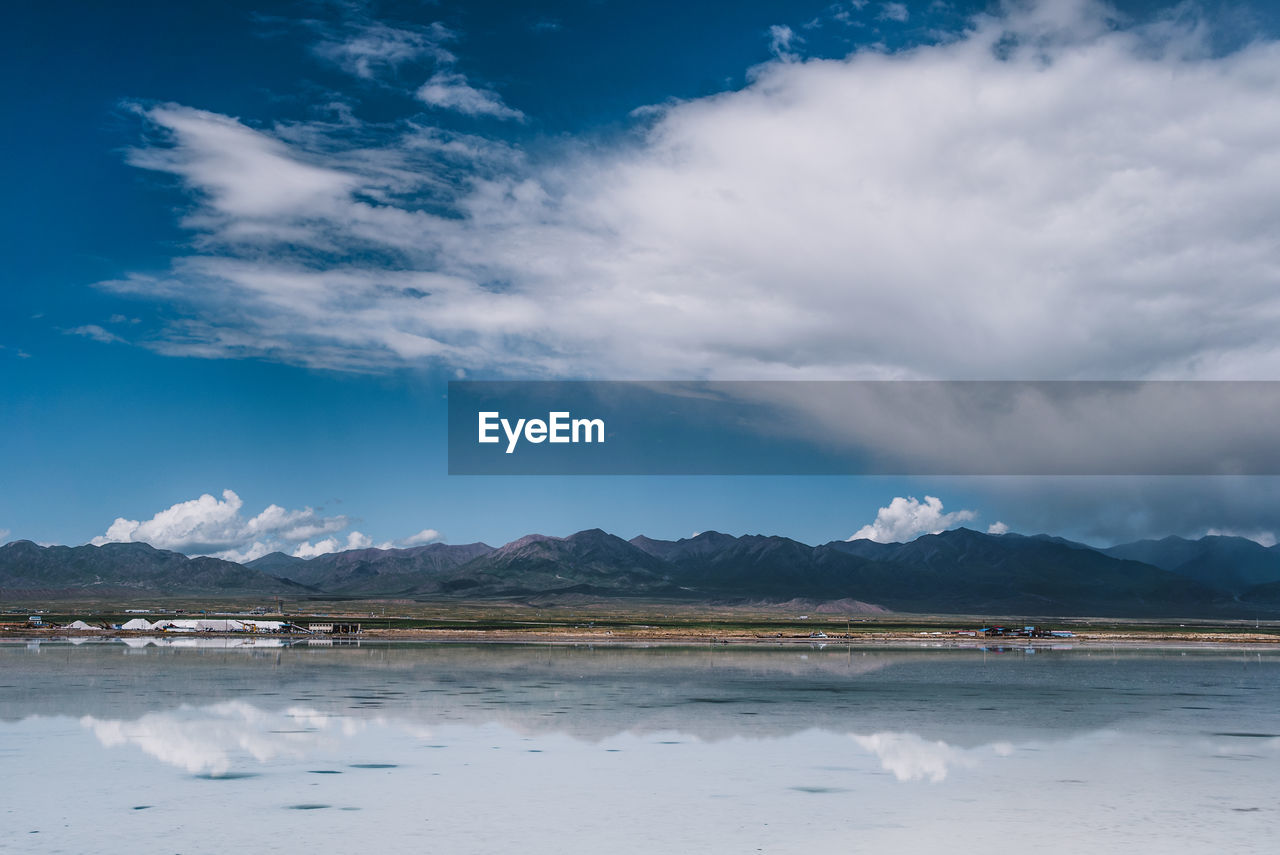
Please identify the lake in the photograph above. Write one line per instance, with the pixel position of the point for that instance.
(193, 746)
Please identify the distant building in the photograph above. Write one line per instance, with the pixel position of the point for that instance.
(334, 628)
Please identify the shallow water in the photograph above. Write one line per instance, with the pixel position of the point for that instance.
(562, 749)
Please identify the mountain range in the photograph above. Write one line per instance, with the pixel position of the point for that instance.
(958, 571)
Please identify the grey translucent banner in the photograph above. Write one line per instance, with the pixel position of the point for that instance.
(864, 428)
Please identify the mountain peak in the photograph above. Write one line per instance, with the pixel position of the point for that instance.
(528, 540)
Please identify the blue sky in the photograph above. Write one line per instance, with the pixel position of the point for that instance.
(251, 242)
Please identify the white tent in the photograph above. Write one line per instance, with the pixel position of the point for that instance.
(201, 625)
(264, 625)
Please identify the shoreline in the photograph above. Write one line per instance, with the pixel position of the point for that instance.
(684, 638)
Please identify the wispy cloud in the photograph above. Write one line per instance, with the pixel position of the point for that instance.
(370, 49)
(781, 41)
(96, 333)
(894, 12)
(1030, 198)
(450, 90)
(1262, 538)
(375, 51)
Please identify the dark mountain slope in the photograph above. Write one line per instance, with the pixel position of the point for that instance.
(368, 572)
(967, 571)
(118, 568)
(755, 566)
(1229, 564)
(589, 562)
(706, 543)
(959, 571)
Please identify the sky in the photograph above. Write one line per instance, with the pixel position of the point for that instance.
(249, 243)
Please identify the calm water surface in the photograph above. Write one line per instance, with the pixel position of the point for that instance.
(193, 748)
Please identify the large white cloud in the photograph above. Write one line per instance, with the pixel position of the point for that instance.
(212, 526)
(1044, 195)
(905, 519)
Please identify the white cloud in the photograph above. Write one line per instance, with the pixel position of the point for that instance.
(905, 519)
(359, 540)
(450, 90)
(911, 758)
(4, 535)
(997, 528)
(1047, 194)
(209, 740)
(781, 40)
(96, 333)
(427, 535)
(370, 49)
(355, 540)
(211, 526)
(245, 177)
(320, 547)
(257, 549)
(894, 12)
